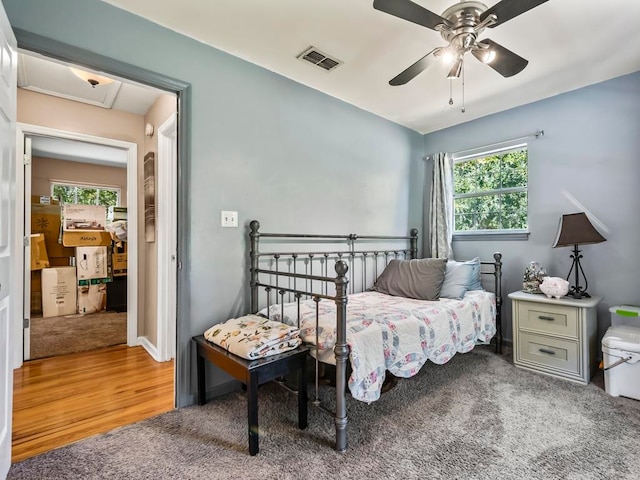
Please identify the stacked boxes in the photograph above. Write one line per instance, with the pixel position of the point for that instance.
(71, 258)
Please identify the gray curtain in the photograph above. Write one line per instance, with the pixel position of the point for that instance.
(441, 207)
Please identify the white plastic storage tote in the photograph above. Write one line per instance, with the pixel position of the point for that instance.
(621, 356)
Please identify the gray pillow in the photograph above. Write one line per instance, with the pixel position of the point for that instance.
(420, 279)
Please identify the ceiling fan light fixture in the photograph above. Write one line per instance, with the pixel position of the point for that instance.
(91, 78)
(448, 57)
(489, 56)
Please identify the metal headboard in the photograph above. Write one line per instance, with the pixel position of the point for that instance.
(364, 264)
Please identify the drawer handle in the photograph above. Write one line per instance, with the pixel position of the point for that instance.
(542, 317)
(545, 350)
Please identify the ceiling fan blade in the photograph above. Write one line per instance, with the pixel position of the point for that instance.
(505, 62)
(418, 67)
(407, 10)
(508, 9)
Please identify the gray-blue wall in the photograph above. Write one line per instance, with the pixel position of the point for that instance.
(268, 147)
(591, 150)
(299, 160)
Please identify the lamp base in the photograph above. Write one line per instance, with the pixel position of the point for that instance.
(577, 291)
(578, 295)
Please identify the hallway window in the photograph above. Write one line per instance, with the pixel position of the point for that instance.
(86, 194)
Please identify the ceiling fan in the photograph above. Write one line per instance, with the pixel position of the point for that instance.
(461, 25)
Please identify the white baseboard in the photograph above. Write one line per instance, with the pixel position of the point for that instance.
(149, 347)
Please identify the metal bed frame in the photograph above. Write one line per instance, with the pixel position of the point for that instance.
(282, 278)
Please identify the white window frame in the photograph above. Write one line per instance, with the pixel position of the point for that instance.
(88, 186)
(471, 155)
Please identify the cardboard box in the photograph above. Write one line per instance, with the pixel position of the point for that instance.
(36, 291)
(39, 257)
(92, 298)
(119, 247)
(86, 239)
(44, 200)
(59, 291)
(116, 213)
(46, 219)
(119, 264)
(80, 218)
(36, 281)
(91, 262)
(62, 261)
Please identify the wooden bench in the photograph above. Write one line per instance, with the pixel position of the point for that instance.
(253, 373)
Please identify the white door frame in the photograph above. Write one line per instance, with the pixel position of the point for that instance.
(22, 205)
(166, 208)
(25, 172)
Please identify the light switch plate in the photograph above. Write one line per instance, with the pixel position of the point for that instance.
(228, 218)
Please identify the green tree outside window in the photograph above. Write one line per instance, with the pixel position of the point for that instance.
(490, 192)
(86, 195)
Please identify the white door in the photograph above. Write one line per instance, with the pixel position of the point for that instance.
(167, 237)
(8, 94)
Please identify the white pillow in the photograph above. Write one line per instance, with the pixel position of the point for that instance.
(456, 279)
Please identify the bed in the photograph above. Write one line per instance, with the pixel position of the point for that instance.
(329, 287)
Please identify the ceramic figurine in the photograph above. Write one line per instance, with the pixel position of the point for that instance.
(532, 278)
(554, 287)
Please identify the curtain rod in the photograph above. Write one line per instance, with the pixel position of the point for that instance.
(537, 134)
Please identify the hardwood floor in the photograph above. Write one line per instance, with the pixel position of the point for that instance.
(60, 400)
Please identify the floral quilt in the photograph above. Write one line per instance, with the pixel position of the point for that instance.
(253, 336)
(394, 333)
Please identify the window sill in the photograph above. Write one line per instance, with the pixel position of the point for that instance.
(501, 236)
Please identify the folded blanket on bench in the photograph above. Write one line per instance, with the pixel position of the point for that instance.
(253, 336)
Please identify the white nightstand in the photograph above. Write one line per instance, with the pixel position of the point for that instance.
(556, 337)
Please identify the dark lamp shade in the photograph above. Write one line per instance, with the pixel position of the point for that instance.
(576, 229)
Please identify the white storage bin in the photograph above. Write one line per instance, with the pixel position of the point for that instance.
(625, 315)
(621, 356)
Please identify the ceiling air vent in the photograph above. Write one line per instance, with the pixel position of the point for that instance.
(319, 59)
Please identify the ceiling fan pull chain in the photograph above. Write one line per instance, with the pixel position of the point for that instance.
(450, 91)
(463, 109)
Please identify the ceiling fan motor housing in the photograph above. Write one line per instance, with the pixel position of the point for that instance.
(462, 29)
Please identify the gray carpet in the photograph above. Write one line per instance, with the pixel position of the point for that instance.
(53, 336)
(476, 417)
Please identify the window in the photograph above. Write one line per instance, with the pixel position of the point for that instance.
(86, 194)
(490, 192)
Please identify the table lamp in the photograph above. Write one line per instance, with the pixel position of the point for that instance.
(576, 229)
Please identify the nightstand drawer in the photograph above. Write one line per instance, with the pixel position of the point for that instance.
(545, 318)
(548, 351)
